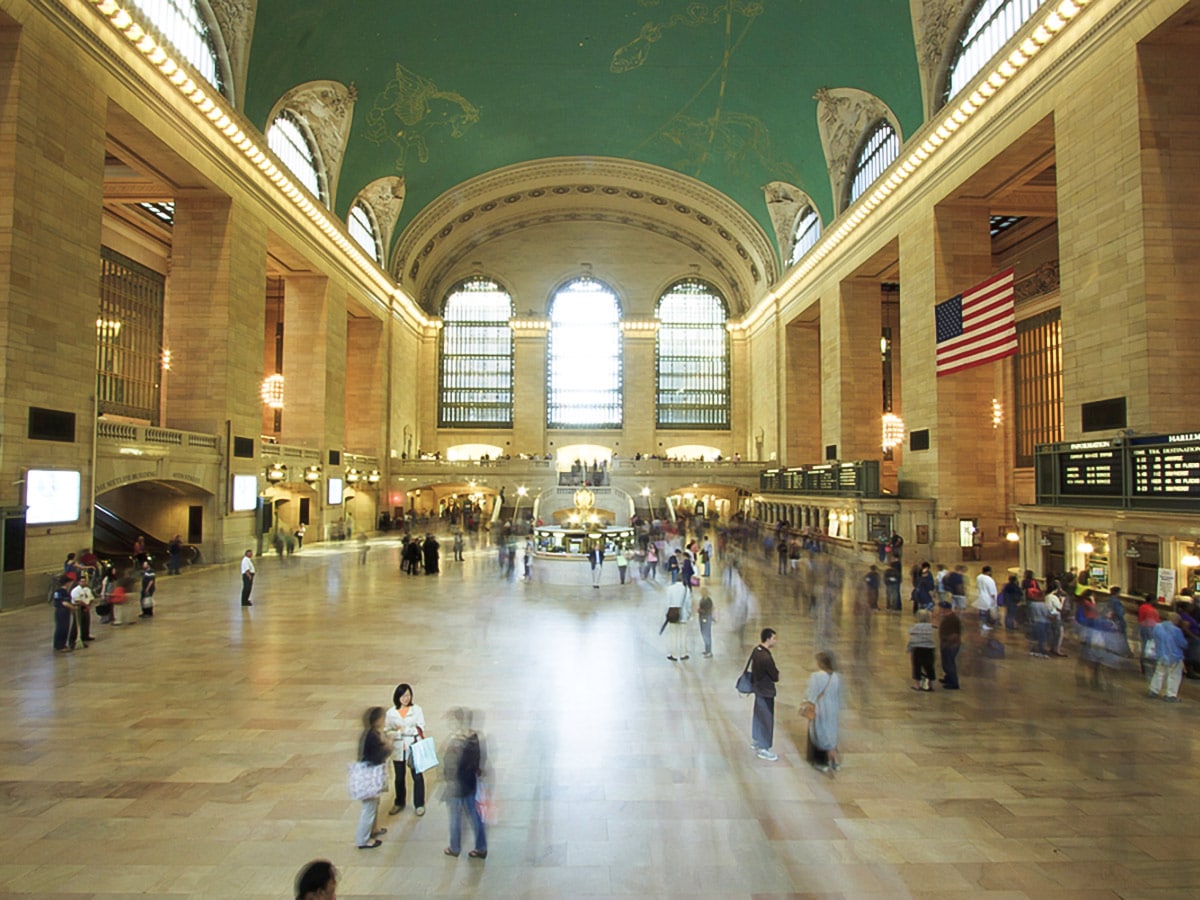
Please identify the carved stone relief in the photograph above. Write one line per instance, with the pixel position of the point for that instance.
(784, 202)
(235, 21)
(385, 197)
(328, 109)
(843, 115)
(935, 26)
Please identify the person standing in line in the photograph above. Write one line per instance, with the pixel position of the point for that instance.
(986, 596)
(248, 572)
(404, 726)
(1171, 647)
(373, 749)
(596, 558)
(921, 648)
(1147, 618)
(175, 555)
(824, 693)
(956, 587)
(149, 586)
(764, 675)
(458, 546)
(950, 642)
(466, 758)
(707, 615)
(429, 550)
(317, 881)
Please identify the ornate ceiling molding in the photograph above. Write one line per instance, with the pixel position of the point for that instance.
(592, 189)
(235, 29)
(843, 117)
(385, 197)
(327, 107)
(935, 26)
(784, 202)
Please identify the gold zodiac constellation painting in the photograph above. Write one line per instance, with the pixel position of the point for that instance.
(411, 109)
(733, 139)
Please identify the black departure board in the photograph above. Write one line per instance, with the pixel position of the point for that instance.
(1159, 471)
(1166, 470)
(1090, 471)
(854, 479)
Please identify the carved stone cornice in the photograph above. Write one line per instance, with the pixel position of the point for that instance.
(843, 116)
(235, 26)
(784, 203)
(935, 26)
(385, 197)
(327, 107)
(1041, 281)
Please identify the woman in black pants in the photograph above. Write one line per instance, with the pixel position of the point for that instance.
(405, 725)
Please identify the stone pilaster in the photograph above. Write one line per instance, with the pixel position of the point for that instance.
(802, 390)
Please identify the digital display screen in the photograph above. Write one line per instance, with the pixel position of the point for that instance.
(1172, 469)
(245, 492)
(335, 492)
(52, 495)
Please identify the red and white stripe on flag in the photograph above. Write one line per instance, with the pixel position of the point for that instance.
(977, 327)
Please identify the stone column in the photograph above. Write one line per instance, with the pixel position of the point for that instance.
(852, 374)
(801, 384)
(529, 389)
(640, 383)
(314, 352)
(366, 385)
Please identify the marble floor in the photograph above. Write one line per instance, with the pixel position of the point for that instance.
(204, 753)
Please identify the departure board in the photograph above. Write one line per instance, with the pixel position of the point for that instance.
(856, 479)
(1170, 469)
(1090, 470)
(1160, 471)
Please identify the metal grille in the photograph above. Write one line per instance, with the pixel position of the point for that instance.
(808, 232)
(693, 358)
(477, 357)
(879, 151)
(288, 140)
(129, 338)
(990, 27)
(180, 22)
(363, 230)
(584, 372)
(1038, 375)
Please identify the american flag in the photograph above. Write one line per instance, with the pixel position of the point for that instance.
(978, 326)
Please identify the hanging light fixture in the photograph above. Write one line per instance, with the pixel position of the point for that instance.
(893, 431)
(1191, 560)
(272, 391)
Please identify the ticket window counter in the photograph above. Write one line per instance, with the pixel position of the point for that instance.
(1096, 567)
(970, 541)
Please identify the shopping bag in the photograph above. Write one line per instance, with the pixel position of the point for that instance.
(424, 755)
(365, 780)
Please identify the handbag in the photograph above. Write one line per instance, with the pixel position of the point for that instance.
(424, 755)
(745, 684)
(1150, 649)
(673, 614)
(365, 780)
(808, 708)
(695, 581)
(485, 804)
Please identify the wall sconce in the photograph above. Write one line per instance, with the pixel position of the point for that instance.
(997, 413)
(312, 473)
(373, 476)
(1132, 552)
(165, 360)
(1011, 536)
(1085, 546)
(893, 431)
(276, 473)
(1045, 541)
(645, 492)
(1190, 559)
(272, 391)
(352, 476)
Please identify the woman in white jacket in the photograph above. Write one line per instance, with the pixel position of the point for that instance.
(405, 725)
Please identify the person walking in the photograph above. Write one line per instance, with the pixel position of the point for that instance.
(373, 749)
(149, 586)
(679, 610)
(921, 648)
(404, 725)
(1170, 648)
(764, 675)
(985, 597)
(707, 615)
(622, 564)
(822, 699)
(1147, 618)
(950, 642)
(466, 758)
(596, 558)
(248, 571)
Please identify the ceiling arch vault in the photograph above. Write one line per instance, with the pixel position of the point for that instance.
(694, 225)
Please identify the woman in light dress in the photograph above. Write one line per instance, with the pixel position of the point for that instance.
(824, 691)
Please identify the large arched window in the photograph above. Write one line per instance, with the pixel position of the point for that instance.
(365, 231)
(878, 151)
(693, 358)
(181, 23)
(989, 27)
(807, 233)
(584, 370)
(477, 356)
(290, 139)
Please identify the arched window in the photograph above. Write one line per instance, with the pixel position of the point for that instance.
(584, 370)
(807, 233)
(989, 27)
(363, 229)
(477, 356)
(693, 358)
(878, 151)
(290, 140)
(180, 22)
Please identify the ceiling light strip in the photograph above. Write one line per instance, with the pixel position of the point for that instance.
(938, 134)
(222, 122)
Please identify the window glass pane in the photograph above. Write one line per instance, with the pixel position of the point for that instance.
(1039, 391)
(180, 23)
(287, 141)
(808, 232)
(879, 151)
(129, 329)
(693, 358)
(477, 356)
(990, 27)
(584, 370)
(362, 229)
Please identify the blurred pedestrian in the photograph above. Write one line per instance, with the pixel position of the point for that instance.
(921, 649)
(707, 615)
(466, 759)
(950, 642)
(1170, 647)
(822, 699)
(317, 880)
(373, 749)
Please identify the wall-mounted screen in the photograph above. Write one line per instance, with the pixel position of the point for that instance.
(52, 495)
(335, 492)
(245, 492)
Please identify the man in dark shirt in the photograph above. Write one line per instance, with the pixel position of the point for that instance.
(763, 676)
(464, 764)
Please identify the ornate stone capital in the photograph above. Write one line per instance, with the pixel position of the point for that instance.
(843, 116)
(327, 107)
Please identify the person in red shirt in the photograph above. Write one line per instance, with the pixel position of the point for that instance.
(1147, 618)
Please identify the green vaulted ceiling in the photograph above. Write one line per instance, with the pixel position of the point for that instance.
(721, 91)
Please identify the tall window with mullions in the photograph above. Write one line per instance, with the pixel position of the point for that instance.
(584, 368)
(1039, 388)
(693, 358)
(182, 23)
(477, 357)
(129, 332)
